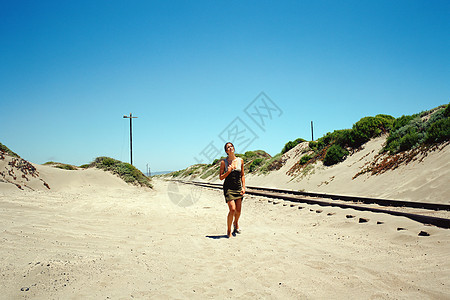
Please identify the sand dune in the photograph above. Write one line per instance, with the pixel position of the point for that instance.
(92, 236)
(34, 177)
(425, 180)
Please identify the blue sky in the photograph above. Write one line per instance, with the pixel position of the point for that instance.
(188, 70)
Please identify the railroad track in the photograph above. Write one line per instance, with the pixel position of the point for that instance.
(392, 207)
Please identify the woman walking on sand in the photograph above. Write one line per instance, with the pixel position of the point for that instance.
(232, 170)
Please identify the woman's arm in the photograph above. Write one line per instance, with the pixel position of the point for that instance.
(242, 177)
(222, 174)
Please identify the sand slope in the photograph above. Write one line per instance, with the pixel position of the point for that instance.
(423, 181)
(16, 173)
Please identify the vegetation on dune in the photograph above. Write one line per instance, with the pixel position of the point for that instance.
(412, 138)
(304, 159)
(61, 165)
(6, 150)
(334, 155)
(253, 162)
(404, 133)
(126, 171)
(361, 132)
(272, 164)
(291, 144)
(423, 129)
(427, 129)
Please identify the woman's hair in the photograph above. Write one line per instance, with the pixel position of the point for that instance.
(225, 147)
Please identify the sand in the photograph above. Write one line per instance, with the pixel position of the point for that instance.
(91, 236)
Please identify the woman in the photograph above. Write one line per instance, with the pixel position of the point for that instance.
(232, 170)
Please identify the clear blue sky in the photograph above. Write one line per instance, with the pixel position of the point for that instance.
(70, 70)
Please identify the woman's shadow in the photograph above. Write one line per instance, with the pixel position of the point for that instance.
(220, 236)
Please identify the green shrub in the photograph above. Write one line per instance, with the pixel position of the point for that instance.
(6, 150)
(177, 173)
(304, 159)
(252, 155)
(439, 131)
(108, 162)
(65, 167)
(274, 163)
(313, 145)
(408, 141)
(387, 120)
(369, 127)
(406, 137)
(291, 144)
(255, 164)
(411, 131)
(210, 172)
(402, 121)
(335, 154)
(60, 165)
(344, 138)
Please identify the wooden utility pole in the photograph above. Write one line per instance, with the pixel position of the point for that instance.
(148, 171)
(312, 131)
(131, 136)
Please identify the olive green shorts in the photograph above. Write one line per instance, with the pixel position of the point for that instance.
(232, 195)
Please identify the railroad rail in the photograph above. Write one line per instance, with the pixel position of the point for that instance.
(342, 201)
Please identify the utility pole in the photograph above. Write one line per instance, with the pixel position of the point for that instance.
(131, 136)
(312, 131)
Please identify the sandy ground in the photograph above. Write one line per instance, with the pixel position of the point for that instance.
(98, 238)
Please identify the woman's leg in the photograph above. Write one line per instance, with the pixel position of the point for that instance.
(231, 213)
(237, 214)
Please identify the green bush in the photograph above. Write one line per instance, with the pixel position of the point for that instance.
(335, 154)
(252, 155)
(255, 164)
(387, 120)
(369, 127)
(210, 172)
(304, 159)
(402, 121)
(345, 137)
(411, 131)
(6, 150)
(60, 165)
(313, 145)
(361, 132)
(408, 141)
(274, 163)
(439, 131)
(406, 137)
(291, 144)
(108, 162)
(65, 167)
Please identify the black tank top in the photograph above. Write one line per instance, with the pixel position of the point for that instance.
(233, 180)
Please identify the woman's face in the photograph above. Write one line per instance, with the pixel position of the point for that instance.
(229, 148)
